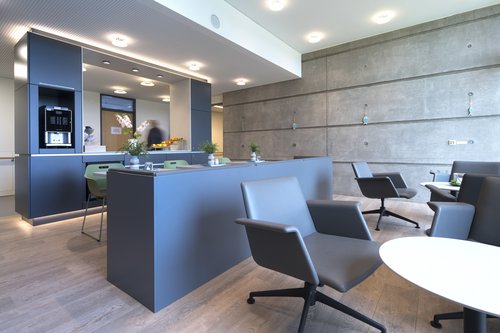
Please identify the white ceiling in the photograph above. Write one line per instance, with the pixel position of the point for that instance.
(166, 39)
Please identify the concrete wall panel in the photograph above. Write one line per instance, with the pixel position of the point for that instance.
(428, 98)
(457, 47)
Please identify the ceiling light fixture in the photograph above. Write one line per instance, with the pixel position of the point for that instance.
(119, 40)
(314, 37)
(166, 99)
(276, 5)
(241, 81)
(147, 83)
(159, 76)
(218, 106)
(135, 70)
(194, 65)
(106, 62)
(120, 91)
(84, 69)
(383, 16)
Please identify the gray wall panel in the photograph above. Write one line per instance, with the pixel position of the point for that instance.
(308, 110)
(436, 51)
(417, 142)
(434, 97)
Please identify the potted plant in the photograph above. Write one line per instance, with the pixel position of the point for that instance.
(254, 148)
(209, 148)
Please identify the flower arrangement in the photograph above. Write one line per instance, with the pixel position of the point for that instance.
(133, 146)
(127, 127)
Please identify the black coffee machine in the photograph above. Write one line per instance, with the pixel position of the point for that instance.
(56, 124)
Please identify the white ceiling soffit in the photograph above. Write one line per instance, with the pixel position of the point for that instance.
(239, 29)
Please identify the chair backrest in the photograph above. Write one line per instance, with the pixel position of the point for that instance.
(224, 160)
(486, 225)
(278, 200)
(97, 184)
(172, 164)
(471, 187)
(361, 170)
(489, 168)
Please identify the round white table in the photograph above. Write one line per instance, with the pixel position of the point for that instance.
(462, 271)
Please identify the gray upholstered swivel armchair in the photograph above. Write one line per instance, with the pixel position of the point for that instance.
(460, 220)
(382, 186)
(490, 168)
(319, 242)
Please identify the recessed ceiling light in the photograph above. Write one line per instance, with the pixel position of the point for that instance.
(106, 62)
(135, 70)
(314, 37)
(147, 83)
(276, 5)
(120, 91)
(218, 106)
(119, 40)
(383, 16)
(194, 65)
(166, 99)
(159, 76)
(241, 81)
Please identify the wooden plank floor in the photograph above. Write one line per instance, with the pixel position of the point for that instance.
(53, 279)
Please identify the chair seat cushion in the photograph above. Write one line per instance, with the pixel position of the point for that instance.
(342, 262)
(407, 193)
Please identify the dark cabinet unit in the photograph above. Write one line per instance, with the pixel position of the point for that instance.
(53, 63)
(48, 185)
(201, 113)
(48, 74)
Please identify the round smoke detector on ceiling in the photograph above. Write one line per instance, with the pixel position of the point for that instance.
(215, 21)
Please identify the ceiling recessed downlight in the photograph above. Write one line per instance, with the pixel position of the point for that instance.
(120, 91)
(159, 76)
(241, 81)
(135, 70)
(165, 99)
(194, 65)
(147, 83)
(276, 5)
(315, 37)
(106, 62)
(119, 40)
(383, 16)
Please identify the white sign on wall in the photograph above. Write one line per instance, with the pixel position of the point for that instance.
(116, 130)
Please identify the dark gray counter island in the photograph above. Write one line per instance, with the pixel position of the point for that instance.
(170, 232)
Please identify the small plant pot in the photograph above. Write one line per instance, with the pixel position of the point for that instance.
(134, 162)
(211, 159)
